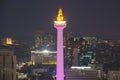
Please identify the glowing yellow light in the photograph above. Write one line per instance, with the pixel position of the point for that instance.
(60, 15)
(50, 62)
(32, 62)
(9, 41)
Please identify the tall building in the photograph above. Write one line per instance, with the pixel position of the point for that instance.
(44, 39)
(60, 24)
(91, 40)
(7, 64)
(86, 57)
(38, 38)
(67, 35)
(78, 52)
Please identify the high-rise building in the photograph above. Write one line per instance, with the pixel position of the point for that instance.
(91, 40)
(38, 38)
(86, 58)
(78, 52)
(75, 56)
(7, 64)
(67, 35)
(60, 24)
(44, 39)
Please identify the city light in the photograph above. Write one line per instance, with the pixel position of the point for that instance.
(42, 52)
(45, 51)
(81, 67)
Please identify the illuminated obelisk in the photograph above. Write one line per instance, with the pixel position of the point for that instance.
(60, 24)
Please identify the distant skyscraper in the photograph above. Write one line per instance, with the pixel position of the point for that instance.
(60, 24)
(38, 38)
(91, 40)
(43, 39)
(67, 36)
(75, 56)
(7, 64)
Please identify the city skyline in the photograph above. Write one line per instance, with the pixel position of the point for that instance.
(20, 19)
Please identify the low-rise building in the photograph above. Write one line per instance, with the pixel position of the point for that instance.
(114, 75)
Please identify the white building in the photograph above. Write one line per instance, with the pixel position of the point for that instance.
(43, 57)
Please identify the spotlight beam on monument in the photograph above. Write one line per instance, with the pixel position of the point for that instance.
(60, 24)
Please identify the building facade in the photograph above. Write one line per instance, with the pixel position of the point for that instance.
(82, 74)
(43, 57)
(7, 64)
(114, 75)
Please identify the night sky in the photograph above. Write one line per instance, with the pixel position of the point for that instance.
(21, 18)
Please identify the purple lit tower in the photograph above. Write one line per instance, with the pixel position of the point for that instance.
(60, 24)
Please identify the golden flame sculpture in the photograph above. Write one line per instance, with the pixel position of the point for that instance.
(60, 16)
(60, 22)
